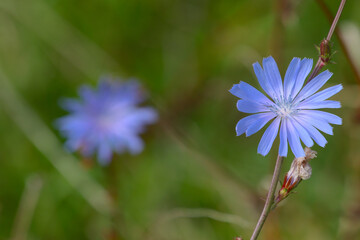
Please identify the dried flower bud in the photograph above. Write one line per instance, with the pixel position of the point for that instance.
(300, 170)
(309, 154)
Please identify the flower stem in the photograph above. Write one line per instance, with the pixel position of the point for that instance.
(269, 198)
(336, 19)
(342, 42)
(112, 172)
(320, 63)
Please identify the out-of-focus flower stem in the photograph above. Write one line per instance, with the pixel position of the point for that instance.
(270, 196)
(112, 172)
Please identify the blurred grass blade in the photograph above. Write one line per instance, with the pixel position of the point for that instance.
(238, 197)
(28, 202)
(202, 213)
(160, 225)
(62, 36)
(47, 143)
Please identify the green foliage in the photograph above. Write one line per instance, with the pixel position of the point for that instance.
(188, 54)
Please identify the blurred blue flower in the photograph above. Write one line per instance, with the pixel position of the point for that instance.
(292, 105)
(106, 120)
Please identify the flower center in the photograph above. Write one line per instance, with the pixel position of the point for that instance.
(283, 108)
(108, 116)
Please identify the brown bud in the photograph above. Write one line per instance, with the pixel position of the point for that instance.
(325, 51)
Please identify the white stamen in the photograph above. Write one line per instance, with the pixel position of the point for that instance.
(283, 108)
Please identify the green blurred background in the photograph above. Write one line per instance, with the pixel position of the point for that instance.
(195, 179)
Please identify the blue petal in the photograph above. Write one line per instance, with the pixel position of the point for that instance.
(72, 145)
(87, 94)
(249, 93)
(273, 75)
(304, 70)
(303, 134)
(264, 83)
(268, 138)
(87, 149)
(119, 144)
(290, 76)
(139, 117)
(328, 117)
(318, 105)
(314, 85)
(105, 85)
(132, 91)
(294, 140)
(283, 148)
(314, 133)
(316, 122)
(71, 105)
(135, 145)
(325, 94)
(260, 123)
(250, 107)
(71, 123)
(104, 153)
(245, 122)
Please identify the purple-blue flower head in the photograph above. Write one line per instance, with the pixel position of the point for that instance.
(106, 120)
(291, 107)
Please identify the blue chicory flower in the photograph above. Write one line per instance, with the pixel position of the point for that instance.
(291, 105)
(106, 120)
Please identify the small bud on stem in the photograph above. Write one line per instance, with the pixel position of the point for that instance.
(300, 170)
(325, 51)
(325, 55)
(325, 48)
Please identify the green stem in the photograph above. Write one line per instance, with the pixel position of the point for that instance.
(112, 172)
(269, 198)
